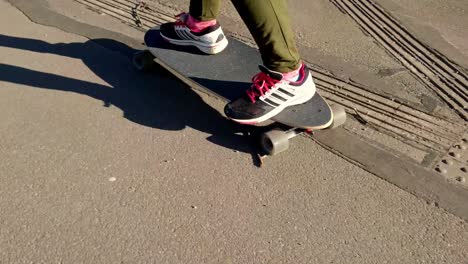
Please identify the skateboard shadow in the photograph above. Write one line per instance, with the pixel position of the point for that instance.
(153, 100)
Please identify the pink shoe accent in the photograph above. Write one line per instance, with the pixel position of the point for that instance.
(197, 25)
(248, 123)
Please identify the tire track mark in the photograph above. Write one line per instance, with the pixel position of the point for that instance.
(445, 78)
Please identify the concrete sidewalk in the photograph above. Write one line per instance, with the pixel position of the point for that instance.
(102, 164)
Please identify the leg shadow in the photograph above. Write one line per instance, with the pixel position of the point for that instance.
(146, 99)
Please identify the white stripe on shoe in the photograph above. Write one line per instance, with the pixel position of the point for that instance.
(207, 43)
(208, 49)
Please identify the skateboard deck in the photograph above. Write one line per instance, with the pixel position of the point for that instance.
(228, 75)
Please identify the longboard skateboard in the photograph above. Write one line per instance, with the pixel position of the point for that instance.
(228, 75)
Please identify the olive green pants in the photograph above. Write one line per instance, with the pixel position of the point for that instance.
(268, 22)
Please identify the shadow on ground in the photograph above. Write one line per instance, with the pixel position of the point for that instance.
(151, 100)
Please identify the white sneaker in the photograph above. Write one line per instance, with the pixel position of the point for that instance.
(270, 94)
(211, 40)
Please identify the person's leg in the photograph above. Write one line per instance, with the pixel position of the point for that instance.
(204, 10)
(269, 23)
(199, 28)
(202, 14)
(283, 80)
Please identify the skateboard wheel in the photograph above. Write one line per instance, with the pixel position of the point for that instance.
(339, 116)
(143, 60)
(274, 142)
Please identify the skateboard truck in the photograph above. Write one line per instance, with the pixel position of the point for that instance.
(277, 140)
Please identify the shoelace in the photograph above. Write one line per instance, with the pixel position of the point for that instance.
(261, 83)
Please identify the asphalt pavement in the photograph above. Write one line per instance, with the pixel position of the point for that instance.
(100, 163)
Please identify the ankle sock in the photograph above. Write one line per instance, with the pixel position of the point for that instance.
(292, 76)
(197, 25)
